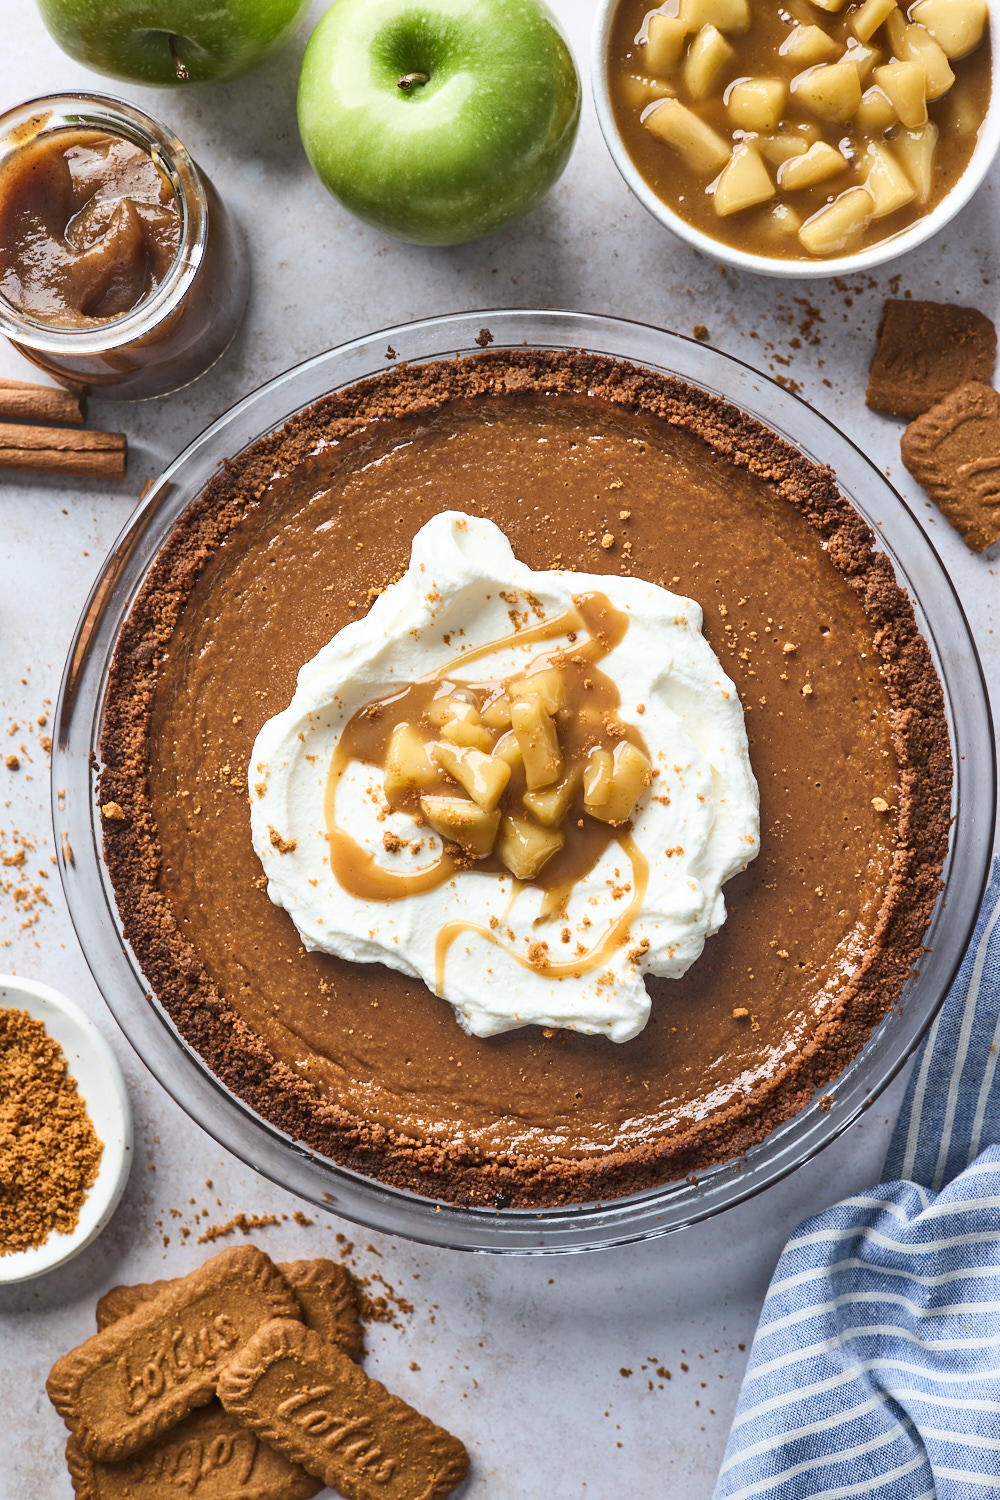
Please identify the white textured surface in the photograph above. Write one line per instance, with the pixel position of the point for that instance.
(522, 1358)
(461, 580)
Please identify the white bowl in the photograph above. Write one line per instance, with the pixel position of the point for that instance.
(102, 1088)
(771, 265)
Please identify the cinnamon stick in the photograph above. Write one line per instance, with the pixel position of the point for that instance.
(21, 401)
(61, 450)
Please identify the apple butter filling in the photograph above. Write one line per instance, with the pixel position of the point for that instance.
(89, 227)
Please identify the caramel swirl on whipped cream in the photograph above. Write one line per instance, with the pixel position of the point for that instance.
(461, 789)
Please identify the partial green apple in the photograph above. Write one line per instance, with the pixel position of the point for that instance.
(172, 41)
(442, 120)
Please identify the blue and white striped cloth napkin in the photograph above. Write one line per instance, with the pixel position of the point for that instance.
(875, 1369)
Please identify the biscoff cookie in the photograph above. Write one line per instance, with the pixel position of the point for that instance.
(925, 350)
(122, 1300)
(209, 1455)
(954, 452)
(144, 1373)
(209, 1452)
(324, 1289)
(310, 1401)
(329, 1301)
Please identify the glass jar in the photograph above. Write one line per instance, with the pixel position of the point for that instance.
(188, 321)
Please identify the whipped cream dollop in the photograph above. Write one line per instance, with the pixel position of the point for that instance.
(695, 825)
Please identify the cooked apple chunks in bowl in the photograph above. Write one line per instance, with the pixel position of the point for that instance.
(808, 130)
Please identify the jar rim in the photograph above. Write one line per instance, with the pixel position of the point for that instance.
(86, 111)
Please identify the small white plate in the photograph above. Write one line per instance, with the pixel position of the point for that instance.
(102, 1088)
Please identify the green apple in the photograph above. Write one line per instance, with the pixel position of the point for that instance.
(172, 41)
(438, 120)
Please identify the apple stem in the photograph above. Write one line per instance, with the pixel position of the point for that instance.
(179, 68)
(408, 80)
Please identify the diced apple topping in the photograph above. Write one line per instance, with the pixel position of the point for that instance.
(549, 687)
(466, 824)
(956, 25)
(539, 743)
(408, 765)
(707, 55)
(453, 706)
(464, 732)
(525, 847)
(484, 777)
(905, 86)
(875, 113)
(915, 149)
(665, 40)
(508, 749)
(639, 90)
(779, 148)
(832, 91)
(510, 769)
(961, 114)
(744, 182)
(807, 45)
(496, 714)
(727, 15)
(597, 775)
(840, 224)
(862, 59)
(703, 148)
(783, 219)
(756, 103)
(819, 162)
(867, 20)
(551, 806)
(630, 775)
(885, 179)
(920, 47)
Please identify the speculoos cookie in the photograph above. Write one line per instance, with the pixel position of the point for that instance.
(953, 451)
(324, 1289)
(209, 1455)
(310, 1401)
(154, 1366)
(925, 350)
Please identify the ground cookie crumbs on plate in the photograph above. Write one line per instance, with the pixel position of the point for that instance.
(49, 1151)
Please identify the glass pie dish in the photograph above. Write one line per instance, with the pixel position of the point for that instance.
(180, 1069)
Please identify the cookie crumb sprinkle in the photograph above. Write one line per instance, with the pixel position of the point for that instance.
(49, 1150)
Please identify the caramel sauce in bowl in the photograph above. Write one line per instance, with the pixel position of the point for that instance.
(742, 248)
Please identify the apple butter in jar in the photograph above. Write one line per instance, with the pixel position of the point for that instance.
(121, 270)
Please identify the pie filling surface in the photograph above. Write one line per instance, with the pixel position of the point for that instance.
(847, 739)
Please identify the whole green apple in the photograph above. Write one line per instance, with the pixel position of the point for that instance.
(172, 41)
(438, 121)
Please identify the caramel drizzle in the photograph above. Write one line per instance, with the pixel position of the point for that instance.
(356, 870)
(574, 968)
